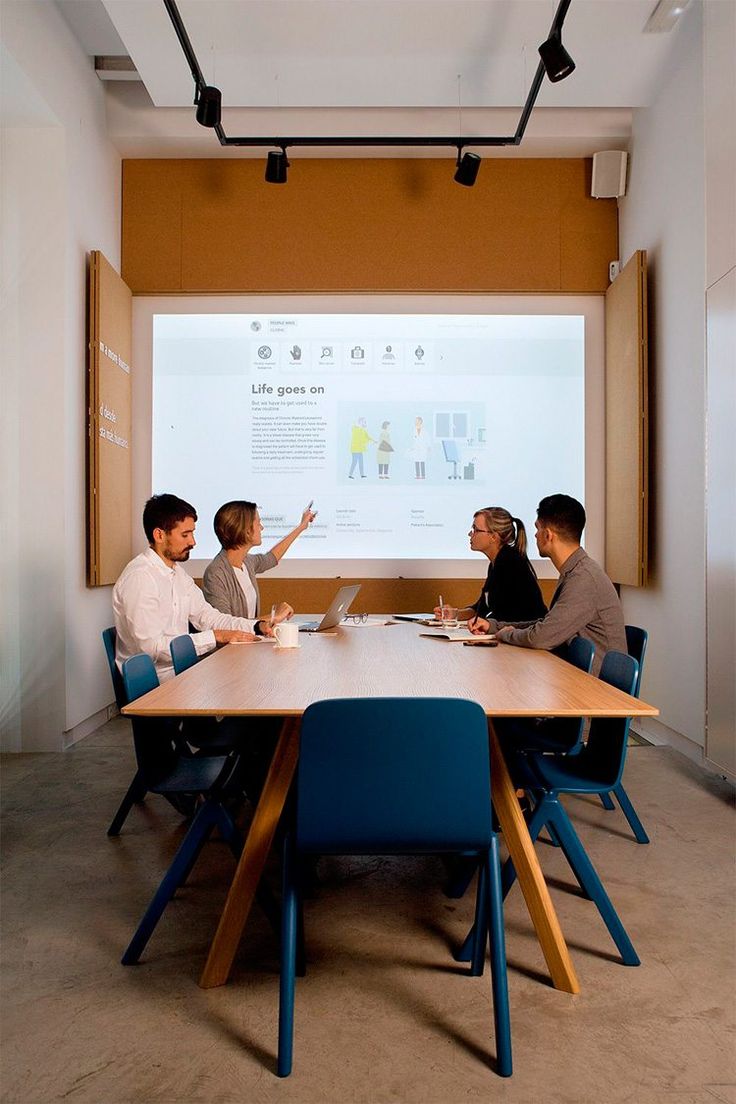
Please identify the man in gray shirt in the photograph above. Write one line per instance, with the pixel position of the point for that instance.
(585, 602)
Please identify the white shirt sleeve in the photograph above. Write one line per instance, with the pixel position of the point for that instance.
(204, 616)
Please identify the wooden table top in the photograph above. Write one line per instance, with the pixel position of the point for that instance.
(386, 661)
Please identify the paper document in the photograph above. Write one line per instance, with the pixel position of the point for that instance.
(370, 622)
(256, 640)
(458, 636)
(415, 618)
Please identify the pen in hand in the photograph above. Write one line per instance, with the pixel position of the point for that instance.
(273, 615)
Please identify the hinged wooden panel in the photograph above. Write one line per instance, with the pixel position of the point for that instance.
(109, 464)
(627, 424)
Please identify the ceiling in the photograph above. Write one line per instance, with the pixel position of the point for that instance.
(336, 67)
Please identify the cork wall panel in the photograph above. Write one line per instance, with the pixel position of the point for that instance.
(151, 225)
(379, 595)
(203, 226)
(588, 229)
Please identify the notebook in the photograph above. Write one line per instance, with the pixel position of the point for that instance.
(461, 636)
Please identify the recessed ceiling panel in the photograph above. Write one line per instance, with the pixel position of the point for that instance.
(391, 53)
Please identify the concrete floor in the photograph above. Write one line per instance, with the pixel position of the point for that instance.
(384, 1013)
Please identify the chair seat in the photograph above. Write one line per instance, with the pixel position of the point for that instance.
(574, 774)
(546, 734)
(192, 775)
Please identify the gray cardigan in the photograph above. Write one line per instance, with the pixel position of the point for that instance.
(222, 589)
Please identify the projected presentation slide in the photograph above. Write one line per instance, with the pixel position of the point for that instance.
(396, 427)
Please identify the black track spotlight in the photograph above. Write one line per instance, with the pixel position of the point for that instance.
(557, 62)
(209, 106)
(276, 166)
(467, 168)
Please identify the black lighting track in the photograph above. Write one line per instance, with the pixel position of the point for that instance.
(388, 140)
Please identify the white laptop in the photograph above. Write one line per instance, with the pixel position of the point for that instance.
(339, 606)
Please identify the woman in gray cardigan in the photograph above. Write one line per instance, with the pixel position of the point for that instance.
(230, 580)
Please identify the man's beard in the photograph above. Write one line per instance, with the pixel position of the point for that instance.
(180, 558)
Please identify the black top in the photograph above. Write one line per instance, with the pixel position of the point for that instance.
(511, 591)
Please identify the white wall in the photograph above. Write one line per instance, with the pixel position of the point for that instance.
(664, 213)
(719, 52)
(61, 199)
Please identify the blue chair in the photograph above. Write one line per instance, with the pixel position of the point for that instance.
(549, 734)
(136, 791)
(596, 769)
(394, 776)
(166, 770)
(183, 653)
(110, 639)
(558, 734)
(636, 646)
(210, 738)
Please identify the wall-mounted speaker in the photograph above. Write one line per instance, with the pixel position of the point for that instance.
(609, 174)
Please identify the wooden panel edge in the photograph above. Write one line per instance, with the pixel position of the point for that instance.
(644, 423)
(93, 557)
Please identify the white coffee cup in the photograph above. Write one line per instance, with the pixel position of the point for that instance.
(287, 634)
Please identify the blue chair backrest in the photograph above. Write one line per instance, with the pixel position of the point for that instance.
(569, 731)
(109, 639)
(139, 676)
(183, 653)
(636, 646)
(605, 751)
(581, 652)
(393, 776)
(154, 737)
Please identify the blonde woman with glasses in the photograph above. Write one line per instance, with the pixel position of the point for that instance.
(511, 591)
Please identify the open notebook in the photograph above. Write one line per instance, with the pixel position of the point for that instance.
(461, 636)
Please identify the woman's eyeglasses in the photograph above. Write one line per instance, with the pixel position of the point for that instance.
(475, 529)
(357, 618)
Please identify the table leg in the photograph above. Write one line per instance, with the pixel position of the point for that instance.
(253, 859)
(529, 873)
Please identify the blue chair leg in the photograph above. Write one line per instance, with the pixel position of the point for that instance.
(200, 828)
(586, 873)
(229, 833)
(264, 896)
(465, 953)
(537, 821)
(480, 926)
(553, 838)
(301, 951)
(289, 909)
(137, 790)
(499, 979)
(630, 813)
(606, 801)
(553, 803)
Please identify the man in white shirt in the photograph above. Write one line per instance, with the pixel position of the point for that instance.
(155, 600)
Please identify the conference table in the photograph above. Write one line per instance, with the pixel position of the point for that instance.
(383, 660)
